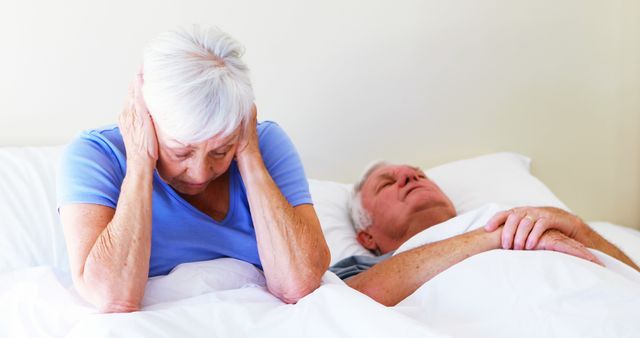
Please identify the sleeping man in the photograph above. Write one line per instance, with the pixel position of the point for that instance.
(392, 203)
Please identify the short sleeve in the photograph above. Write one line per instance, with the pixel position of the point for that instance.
(354, 265)
(283, 163)
(89, 172)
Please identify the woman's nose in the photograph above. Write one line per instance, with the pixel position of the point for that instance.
(200, 172)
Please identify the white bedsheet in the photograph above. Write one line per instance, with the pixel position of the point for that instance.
(38, 303)
(495, 294)
(504, 293)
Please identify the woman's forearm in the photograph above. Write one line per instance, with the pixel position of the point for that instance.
(117, 266)
(293, 253)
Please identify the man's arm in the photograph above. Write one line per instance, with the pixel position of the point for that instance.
(594, 240)
(523, 227)
(392, 280)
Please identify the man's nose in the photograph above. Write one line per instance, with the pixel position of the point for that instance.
(406, 176)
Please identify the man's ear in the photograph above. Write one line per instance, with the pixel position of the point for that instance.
(366, 240)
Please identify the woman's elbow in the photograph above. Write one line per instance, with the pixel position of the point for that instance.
(297, 288)
(292, 293)
(115, 306)
(110, 303)
(108, 299)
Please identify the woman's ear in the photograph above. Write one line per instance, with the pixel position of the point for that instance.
(366, 240)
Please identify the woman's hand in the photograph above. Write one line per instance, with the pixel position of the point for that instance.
(248, 145)
(524, 227)
(138, 131)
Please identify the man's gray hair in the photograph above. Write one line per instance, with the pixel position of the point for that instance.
(196, 84)
(360, 216)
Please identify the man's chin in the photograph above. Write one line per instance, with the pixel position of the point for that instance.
(422, 196)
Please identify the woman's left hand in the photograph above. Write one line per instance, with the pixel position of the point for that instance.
(248, 145)
(523, 227)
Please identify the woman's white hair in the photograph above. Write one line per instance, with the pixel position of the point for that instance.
(196, 84)
(360, 216)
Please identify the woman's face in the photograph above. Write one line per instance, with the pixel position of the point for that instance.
(189, 168)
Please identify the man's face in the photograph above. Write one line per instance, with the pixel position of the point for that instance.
(189, 168)
(401, 201)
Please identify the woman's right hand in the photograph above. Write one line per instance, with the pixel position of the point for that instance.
(137, 129)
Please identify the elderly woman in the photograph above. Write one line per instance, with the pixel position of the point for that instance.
(188, 175)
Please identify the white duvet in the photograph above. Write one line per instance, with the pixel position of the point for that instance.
(494, 294)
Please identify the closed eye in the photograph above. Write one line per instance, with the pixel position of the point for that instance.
(220, 155)
(221, 152)
(182, 155)
(385, 183)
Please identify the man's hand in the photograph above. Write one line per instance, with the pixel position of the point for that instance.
(137, 129)
(248, 145)
(524, 227)
(556, 241)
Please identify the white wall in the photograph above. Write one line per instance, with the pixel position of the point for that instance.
(419, 81)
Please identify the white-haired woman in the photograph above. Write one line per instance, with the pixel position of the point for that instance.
(187, 175)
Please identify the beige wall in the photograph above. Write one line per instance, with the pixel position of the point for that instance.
(419, 81)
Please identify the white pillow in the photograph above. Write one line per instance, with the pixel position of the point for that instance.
(331, 201)
(30, 232)
(502, 178)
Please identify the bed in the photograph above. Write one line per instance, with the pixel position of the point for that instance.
(495, 294)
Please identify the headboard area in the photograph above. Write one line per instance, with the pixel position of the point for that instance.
(421, 82)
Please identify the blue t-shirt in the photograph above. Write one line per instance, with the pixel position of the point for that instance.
(94, 165)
